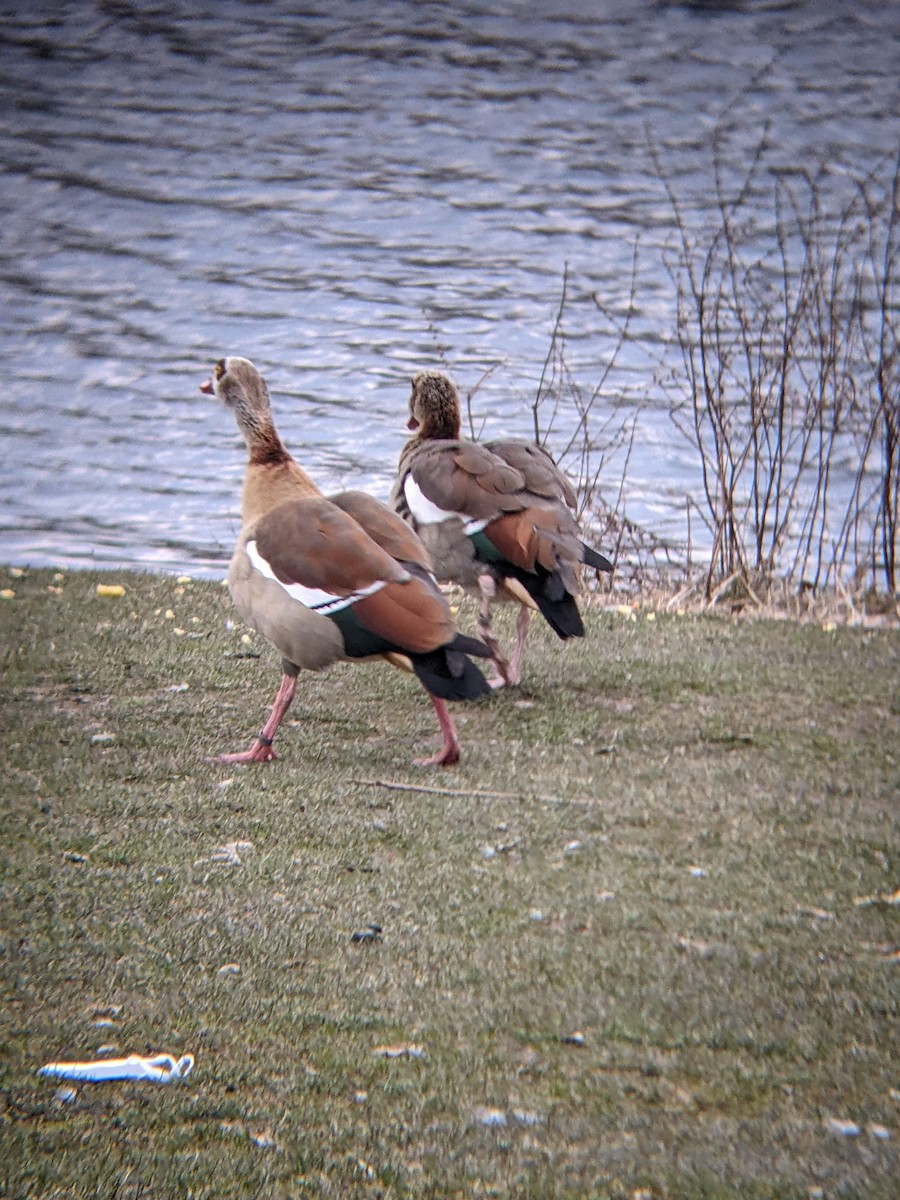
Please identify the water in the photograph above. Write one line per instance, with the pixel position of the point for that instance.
(345, 193)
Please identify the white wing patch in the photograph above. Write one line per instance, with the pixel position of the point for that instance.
(426, 512)
(317, 599)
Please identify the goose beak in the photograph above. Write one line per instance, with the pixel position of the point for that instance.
(207, 388)
(412, 423)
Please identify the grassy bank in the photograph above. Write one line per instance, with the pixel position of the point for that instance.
(640, 942)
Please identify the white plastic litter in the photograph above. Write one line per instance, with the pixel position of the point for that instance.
(161, 1068)
(493, 1118)
(843, 1128)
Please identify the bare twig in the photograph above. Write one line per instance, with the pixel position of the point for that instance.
(789, 347)
(470, 396)
(535, 408)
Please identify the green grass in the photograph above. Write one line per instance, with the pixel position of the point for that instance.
(658, 841)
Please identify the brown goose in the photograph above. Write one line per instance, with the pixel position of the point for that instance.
(330, 578)
(496, 518)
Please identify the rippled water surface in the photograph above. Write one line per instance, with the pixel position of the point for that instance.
(346, 192)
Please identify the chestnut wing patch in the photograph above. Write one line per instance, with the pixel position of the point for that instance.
(536, 537)
(413, 616)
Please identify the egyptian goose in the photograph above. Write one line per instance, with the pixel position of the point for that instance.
(496, 518)
(332, 578)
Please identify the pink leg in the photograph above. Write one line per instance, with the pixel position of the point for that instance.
(449, 752)
(515, 665)
(488, 589)
(261, 750)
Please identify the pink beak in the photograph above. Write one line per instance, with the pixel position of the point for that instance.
(207, 388)
(412, 423)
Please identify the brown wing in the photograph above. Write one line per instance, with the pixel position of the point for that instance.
(465, 478)
(413, 615)
(315, 543)
(538, 536)
(321, 545)
(541, 474)
(384, 527)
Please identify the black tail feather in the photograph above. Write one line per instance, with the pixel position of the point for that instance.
(557, 606)
(593, 558)
(448, 674)
(470, 645)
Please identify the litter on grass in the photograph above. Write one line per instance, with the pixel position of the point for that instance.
(371, 933)
(492, 1118)
(228, 855)
(886, 898)
(399, 1052)
(161, 1068)
(843, 1127)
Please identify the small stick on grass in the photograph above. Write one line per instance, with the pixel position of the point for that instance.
(395, 786)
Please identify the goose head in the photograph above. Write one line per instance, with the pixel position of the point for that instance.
(434, 409)
(241, 388)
